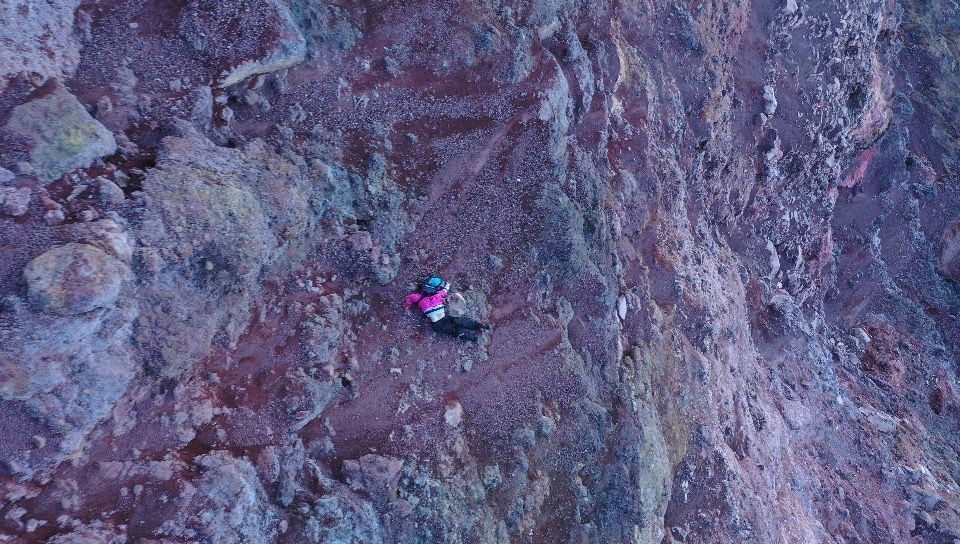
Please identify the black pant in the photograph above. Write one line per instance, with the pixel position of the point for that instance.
(461, 327)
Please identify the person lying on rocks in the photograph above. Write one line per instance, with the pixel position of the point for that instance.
(430, 296)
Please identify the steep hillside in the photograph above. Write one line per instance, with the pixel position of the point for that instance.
(718, 243)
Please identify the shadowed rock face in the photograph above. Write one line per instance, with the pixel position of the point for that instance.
(718, 244)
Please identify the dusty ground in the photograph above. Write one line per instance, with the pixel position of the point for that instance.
(718, 242)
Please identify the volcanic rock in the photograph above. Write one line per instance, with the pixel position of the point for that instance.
(59, 133)
(74, 278)
(15, 201)
(38, 38)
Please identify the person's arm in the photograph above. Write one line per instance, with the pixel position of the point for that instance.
(411, 299)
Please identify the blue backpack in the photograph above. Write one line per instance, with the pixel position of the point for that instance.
(432, 286)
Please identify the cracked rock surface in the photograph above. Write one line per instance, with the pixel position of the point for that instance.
(718, 244)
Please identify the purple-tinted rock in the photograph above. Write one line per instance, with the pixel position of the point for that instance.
(16, 202)
(74, 278)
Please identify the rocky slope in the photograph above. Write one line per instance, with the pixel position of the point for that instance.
(719, 244)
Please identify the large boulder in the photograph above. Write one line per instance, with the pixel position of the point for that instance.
(74, 278)
(59, 133)
(38, 39)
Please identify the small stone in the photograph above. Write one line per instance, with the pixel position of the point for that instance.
(251, 98)
(881, 421)
(25, 169)
(622, 307)
(495, 262)
(16, 202)
(453, 415)
(456, 305)
(39, 441)
(88, 215)
(54, 217)
(77, 191)
(547, 425)
(15, 514)
(121, 178)
(929, 500)
(392, 66)
(104, 106)
(378, 475)
(109, 236)
(949, 259)
(769, 100)
(6, 176)
(110, 192)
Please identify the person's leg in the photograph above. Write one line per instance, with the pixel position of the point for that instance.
(468, 324)
(466, 329)
(446, 325)
(452, 326)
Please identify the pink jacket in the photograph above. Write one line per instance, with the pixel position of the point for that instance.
(432, 306)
